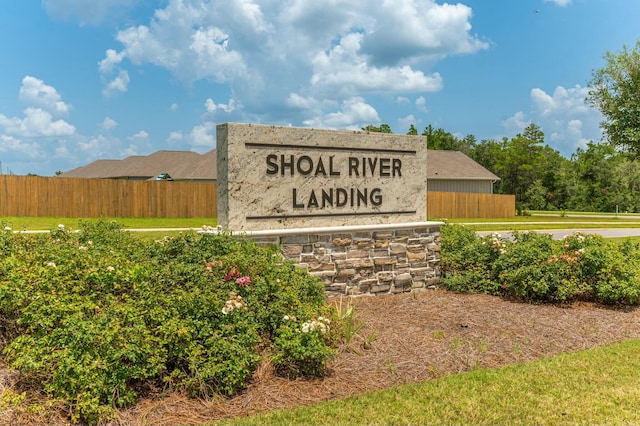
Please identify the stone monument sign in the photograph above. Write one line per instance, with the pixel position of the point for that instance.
(284, 177)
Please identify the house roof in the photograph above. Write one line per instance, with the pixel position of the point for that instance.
(455, 165)
(180, 165)
(188, 165)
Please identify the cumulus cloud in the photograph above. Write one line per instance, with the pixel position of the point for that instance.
(559, 2)
(345, 69)
(19, 148)
(175, 137)
(567, 121)
(119, 84)
(36, 123)
(109, 123)
(203, 135)
(212, 107)
(404, 123)
(404, 33)
(354, 114)
(421, 103)
(295, 61)
(516, 123)
(35, 92)
(112, 59)
(141, 135)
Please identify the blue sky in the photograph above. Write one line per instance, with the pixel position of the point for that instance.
(82, 80)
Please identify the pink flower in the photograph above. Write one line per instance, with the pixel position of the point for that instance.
(243, 281)
(233, 273)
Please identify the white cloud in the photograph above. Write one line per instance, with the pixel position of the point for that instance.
(421, 103)
(18, 148)
(118, 84)
(175, 137)
(295, 61)
(559, 2)
(109, 123)
(36, 123)
(203, 135)
(567, 121)
(173, 107)
(34, 91)
(516, 123)
(90, 12)
(141, 135)
(112, 59)
(355, 114)
(414, 28)
(562, 101)
(213, 107)
(345, 69)
(405, 122)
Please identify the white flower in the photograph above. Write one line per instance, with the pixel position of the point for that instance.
(286, 318)
(110, 268)
(235, 302)
(82, 248)
(7, 228)
(61, 227)
(51, 264)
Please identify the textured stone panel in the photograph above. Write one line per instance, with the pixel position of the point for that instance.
(282, 177)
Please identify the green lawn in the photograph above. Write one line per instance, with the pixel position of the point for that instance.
(600, 386)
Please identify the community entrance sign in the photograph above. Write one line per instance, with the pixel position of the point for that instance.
(282, 177)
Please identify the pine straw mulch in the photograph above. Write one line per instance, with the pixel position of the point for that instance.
(419, 337)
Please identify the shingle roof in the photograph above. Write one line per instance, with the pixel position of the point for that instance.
(188, 165)
(455, 165)
(180, 165)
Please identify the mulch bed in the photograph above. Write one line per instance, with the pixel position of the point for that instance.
(419, 337)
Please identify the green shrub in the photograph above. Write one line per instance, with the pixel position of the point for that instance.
(97, 315)
(534, 267)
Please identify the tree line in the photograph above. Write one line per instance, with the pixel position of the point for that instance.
(601, 177)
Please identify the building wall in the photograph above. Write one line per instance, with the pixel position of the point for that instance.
(467, 186)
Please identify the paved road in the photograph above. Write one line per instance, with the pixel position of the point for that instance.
(560, 233)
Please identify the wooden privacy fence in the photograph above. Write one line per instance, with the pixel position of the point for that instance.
(35, 196)
(450, 205)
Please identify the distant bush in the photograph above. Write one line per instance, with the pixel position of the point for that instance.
(534, 267)
(95, 316)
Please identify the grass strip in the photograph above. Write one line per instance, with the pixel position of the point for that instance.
(599, 386)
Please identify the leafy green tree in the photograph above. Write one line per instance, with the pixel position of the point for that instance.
(522, 163)
(441, 139)
(412, 130)
(595, 185)
(487, 153)
(615, 91)
(383, 128)
(556, 178)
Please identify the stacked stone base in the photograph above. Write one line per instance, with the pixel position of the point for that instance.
(358, 260)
